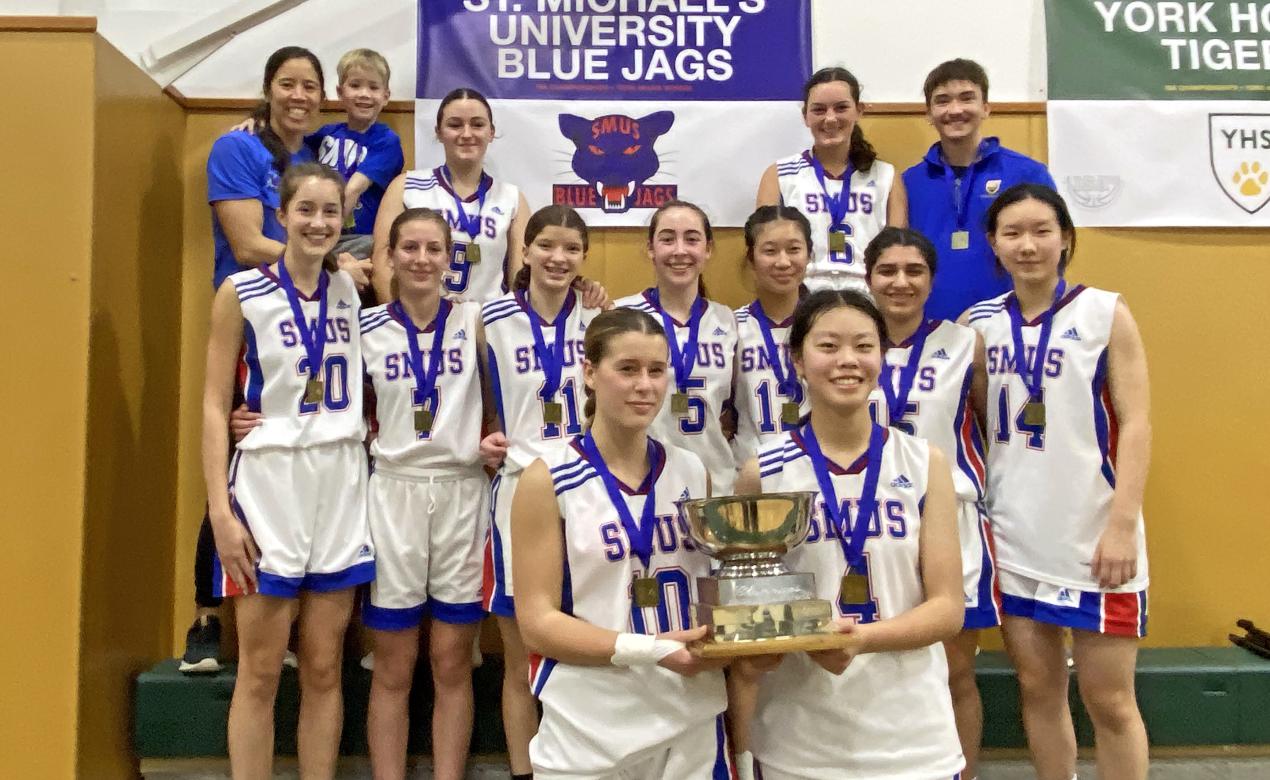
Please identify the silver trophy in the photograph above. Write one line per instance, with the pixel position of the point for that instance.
(754, 604)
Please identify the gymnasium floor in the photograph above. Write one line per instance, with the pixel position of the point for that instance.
(1257, 768)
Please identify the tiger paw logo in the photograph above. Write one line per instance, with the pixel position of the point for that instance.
(614, 155)
(1239, 147)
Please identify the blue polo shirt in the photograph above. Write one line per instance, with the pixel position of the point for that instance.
(375, 154)
(239, 167)
(965, 276)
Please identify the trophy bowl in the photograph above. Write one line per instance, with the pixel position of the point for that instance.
(753, 603)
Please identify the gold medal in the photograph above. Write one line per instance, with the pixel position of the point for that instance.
(1034, 414)
(961, 239)
(423, 421)
(647, 592)
(473, 254)
(790, 413)
(855, 589)
(313, 391)
(552, 413)
(679, 403)
(837, 242)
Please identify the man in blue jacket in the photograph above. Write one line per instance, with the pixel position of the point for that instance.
(950, 190)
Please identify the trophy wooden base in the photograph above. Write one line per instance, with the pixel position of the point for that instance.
(773, 646)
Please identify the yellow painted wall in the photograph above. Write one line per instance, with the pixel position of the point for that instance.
(46, 220)
(132, 405)
(1194, 292)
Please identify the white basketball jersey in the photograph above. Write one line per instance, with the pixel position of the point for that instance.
(1049, 489)
(517, 376)
(454, 438)
(757, 397)
(889, 715)
(276, 365)
(595, 716)
(865, 217)
(485, 280)
(939, 409)
(709, 390)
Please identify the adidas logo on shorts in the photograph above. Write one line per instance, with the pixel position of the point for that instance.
(1071, 333)
(901, 482)
(720, 332)
(940, 354)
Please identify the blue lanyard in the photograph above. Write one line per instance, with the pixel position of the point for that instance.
(1033, 376)
(896, 400)
(425, 381)
(682, 361)
(837, 203)
(468, 224)
(551, 358)
(314, 339)
(640, 536)
(853, 539)
(786, 379)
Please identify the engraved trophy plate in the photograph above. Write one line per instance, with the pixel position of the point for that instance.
(754, 604)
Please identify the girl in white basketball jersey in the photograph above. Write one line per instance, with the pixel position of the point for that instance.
(605, 578)
(289, 513)
(933, 386)
(703, 340)
(487, 216)
(1069, 445)
(534, 358)
(883, 547)
(428, 497)
(846, 192)
(769, 397)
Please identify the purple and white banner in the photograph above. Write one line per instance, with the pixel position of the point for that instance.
(615, 106)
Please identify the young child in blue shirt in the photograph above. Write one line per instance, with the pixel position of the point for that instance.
(364, 150)
(950, 189)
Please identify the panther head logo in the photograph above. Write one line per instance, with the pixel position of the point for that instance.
(614, 154)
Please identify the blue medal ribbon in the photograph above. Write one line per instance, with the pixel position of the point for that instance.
(961, 205)
(468, 224)
(550, 358)
(1033, 375)
(787, 383)
(313, 339)
(425, 380)
(852, 539)
(683, 362)
(837, 203)
(897, 398)
(640, 536)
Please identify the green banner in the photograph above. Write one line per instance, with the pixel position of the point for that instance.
(1157, 50)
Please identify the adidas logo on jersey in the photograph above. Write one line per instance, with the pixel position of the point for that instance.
(901, 482)
(461, 335)
(720, 332)
(1071, 333)
(940, 354)
(343, 304)
(497, 209)
(582, 326)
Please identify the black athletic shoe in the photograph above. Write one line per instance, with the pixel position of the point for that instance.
(202, 647)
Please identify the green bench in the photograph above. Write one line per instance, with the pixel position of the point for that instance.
(1188, 696)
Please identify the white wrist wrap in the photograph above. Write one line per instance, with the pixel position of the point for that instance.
(642, 649)
(745, 766)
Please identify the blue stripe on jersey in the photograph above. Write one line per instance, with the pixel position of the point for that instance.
(568, 470)
(490, 319)
(370, 323)
(251, 285)
(1102, 420)
(576, 481)
(742, 314)
(544, 672)
(256, 294)
(782, 455)
(255, 377)
(497, 386)
(720, 770)
(960, 424)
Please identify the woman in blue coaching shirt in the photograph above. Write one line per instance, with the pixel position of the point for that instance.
(243, 169)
